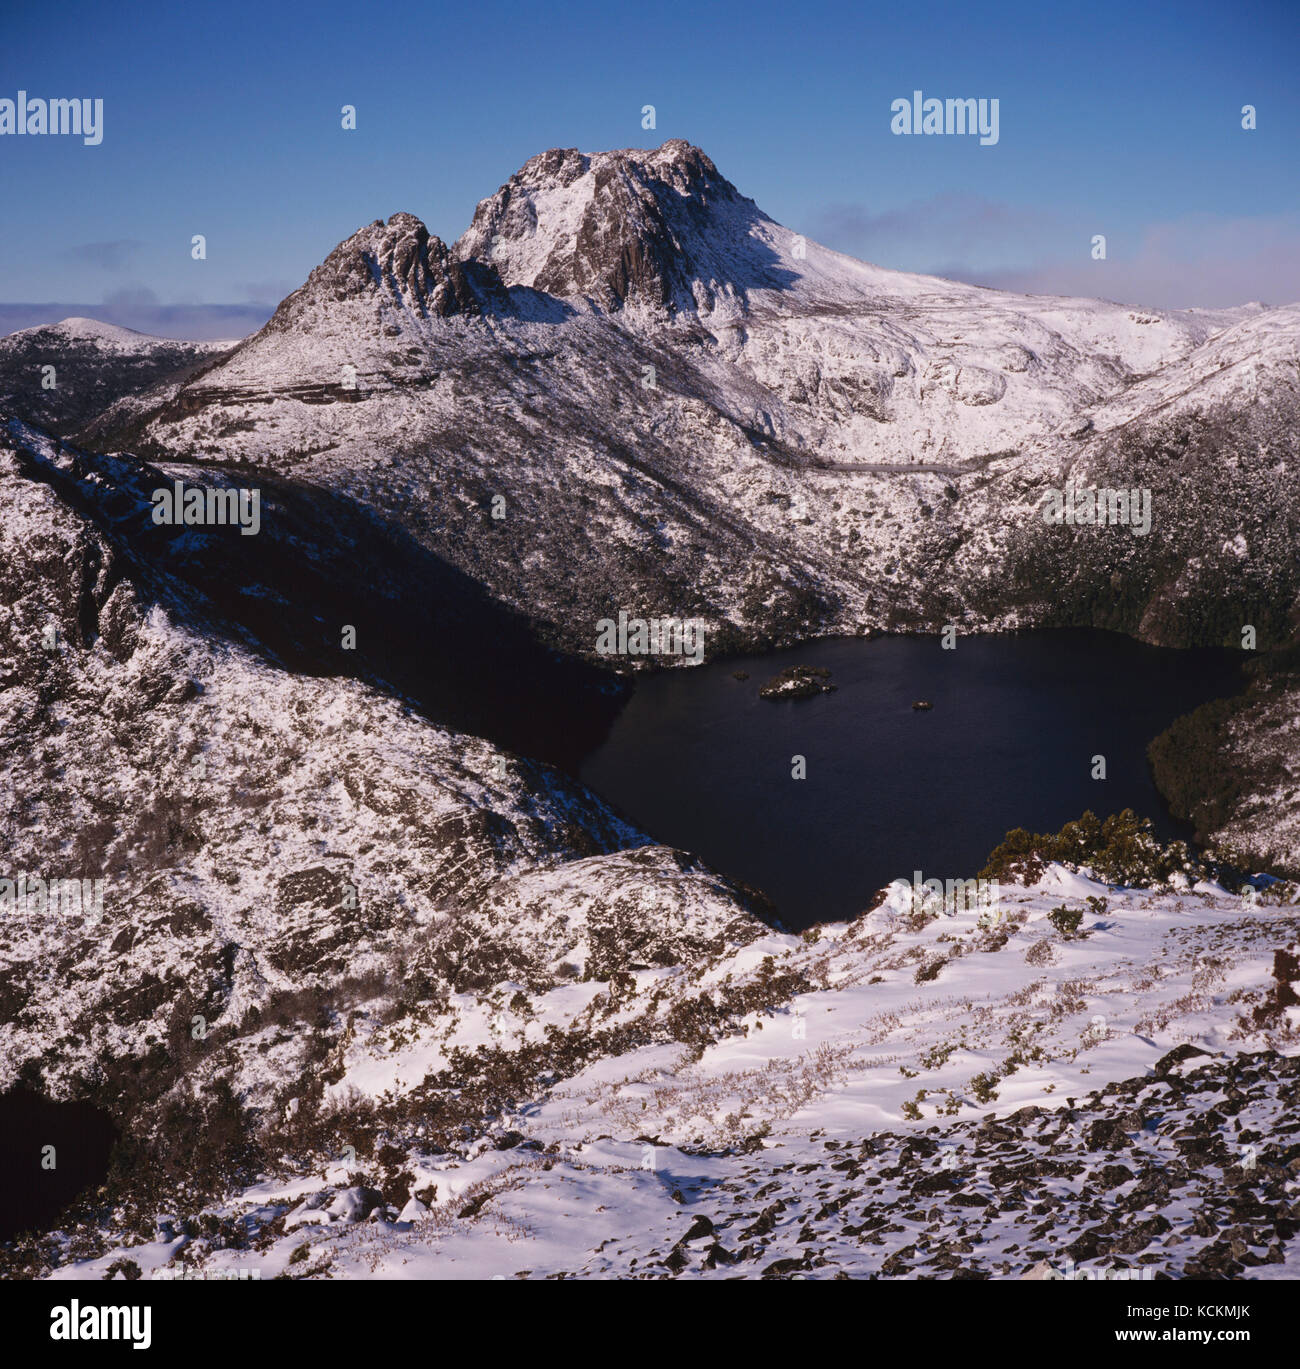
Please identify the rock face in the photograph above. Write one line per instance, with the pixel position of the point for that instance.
(400, 266)
(660, 230)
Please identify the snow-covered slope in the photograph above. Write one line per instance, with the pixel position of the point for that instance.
(61, 375)
(262, 832)
(1251, 361)
(901, 1095)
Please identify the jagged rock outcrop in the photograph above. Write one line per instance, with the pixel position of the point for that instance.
(400, 266)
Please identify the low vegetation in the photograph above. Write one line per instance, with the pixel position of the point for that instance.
(1120, 849)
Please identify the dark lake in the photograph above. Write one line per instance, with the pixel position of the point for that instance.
(699, 761)
(33, 1194)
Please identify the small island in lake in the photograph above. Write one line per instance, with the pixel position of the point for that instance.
(798, 682)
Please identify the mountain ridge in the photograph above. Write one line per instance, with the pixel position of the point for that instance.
(754, 429)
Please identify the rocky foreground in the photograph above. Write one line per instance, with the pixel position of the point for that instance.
(909, 1094)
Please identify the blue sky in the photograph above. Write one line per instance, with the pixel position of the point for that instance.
(1121, 119)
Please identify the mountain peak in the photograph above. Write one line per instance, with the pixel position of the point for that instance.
(659, 228)
(402, 266)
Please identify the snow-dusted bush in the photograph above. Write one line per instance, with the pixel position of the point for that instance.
(1120, 849)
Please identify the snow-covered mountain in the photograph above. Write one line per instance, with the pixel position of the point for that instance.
(627, 388)
(703, 412)
(404, 933)
(61, 375)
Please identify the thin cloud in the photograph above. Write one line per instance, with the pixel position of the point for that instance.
(944, 227)
(130, 298)
(274, 290)
(137, 306)
(1199, 261)
(192, 322)
(106, 256)
(1192, 263)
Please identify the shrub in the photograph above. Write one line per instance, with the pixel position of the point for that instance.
(1065, 920)
(1120, 850)
(982, 1087)
(928, 970)
(1040, 953)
